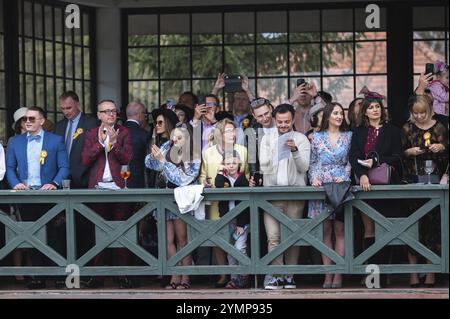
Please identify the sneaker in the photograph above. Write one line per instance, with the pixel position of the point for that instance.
(289, 282)
(275, 283)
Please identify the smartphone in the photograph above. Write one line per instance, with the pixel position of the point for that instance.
(429, 68)
(300, 82)
(233, 83)
(363, 163)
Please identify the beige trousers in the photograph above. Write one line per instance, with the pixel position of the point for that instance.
(294, 210)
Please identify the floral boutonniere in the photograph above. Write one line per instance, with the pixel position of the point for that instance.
(42, 157)
(78, 132)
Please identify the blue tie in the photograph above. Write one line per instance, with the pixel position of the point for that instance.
(69, 137)
(36, 138)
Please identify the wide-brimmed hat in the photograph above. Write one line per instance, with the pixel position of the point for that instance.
(168, 114)
(187, 111)
(18, 114)
(316, 108)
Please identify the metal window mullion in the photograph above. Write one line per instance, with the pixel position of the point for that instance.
(288, 30)
(34, 54)
(63, 35)
(255, 47)
(73, 59)
(54, 60)
(223, 55)
(159, 58)
(82, 62)
(44, 59)
(191, 67)
(24, 83)
(321, 49)
(354, 54)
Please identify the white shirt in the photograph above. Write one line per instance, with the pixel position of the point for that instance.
(107, 176)
(2, 163)
(232, 203)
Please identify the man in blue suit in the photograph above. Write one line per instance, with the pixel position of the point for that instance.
(36, 160)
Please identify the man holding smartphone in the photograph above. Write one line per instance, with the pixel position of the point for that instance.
(205, 119)
(304, 94)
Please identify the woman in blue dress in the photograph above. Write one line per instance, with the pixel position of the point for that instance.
(329, 163)
(178, 167)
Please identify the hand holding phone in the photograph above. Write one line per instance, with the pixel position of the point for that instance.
(300, 82)
(429, 68)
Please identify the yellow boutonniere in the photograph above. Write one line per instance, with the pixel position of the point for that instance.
(246, 123)
(43, 155)
(427, 137)
(77, 133)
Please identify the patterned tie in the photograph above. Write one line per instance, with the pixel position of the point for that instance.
(36, 138)
(69, 137)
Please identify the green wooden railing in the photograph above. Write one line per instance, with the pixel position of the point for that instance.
(301, 232)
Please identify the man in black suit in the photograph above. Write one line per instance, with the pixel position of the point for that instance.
(140, 138)
(73, 129)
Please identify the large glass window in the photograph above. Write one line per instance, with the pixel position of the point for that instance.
(430, 37)
(171, 53)
(52, 57)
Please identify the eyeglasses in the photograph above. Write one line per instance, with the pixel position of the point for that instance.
(159, 123)
(259, 102)
(30, 119)
(108, 112)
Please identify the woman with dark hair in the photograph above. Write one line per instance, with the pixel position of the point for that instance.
(316, 115)
(375, 142)
(329, 164)
(178, 167)
(424, 139)
(353, 113)
(164, 122)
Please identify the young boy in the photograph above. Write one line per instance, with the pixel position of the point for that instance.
(229, 175)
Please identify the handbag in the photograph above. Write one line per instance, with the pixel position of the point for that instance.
(380, 174)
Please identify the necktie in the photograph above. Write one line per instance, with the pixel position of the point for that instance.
(69, 137)
(36, 138)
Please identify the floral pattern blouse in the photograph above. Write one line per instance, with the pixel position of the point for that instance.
(327, 163)
(173, 173)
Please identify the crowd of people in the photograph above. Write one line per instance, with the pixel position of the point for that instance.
(307, 140)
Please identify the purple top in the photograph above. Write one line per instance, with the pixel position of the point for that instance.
(372, 138)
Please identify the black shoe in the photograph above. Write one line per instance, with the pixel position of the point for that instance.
(36, 284)
(93, 283)
(429, 285)
(124, 283)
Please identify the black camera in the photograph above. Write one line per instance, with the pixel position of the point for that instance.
(300, 82)
(233, 83)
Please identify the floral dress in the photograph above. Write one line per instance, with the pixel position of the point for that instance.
(175, 175)
(328, 162)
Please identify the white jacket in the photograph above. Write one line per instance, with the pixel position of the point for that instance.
(298, 162)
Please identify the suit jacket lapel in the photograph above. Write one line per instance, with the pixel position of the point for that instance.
(45, 145)
(23, 153)
(80, 125)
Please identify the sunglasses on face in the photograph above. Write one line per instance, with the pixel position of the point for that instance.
(30, 119)
(259, 102)
(211, 104)
(108, 112)
(159, 123)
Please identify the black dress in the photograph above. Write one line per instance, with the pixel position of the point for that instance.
(389, 148)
